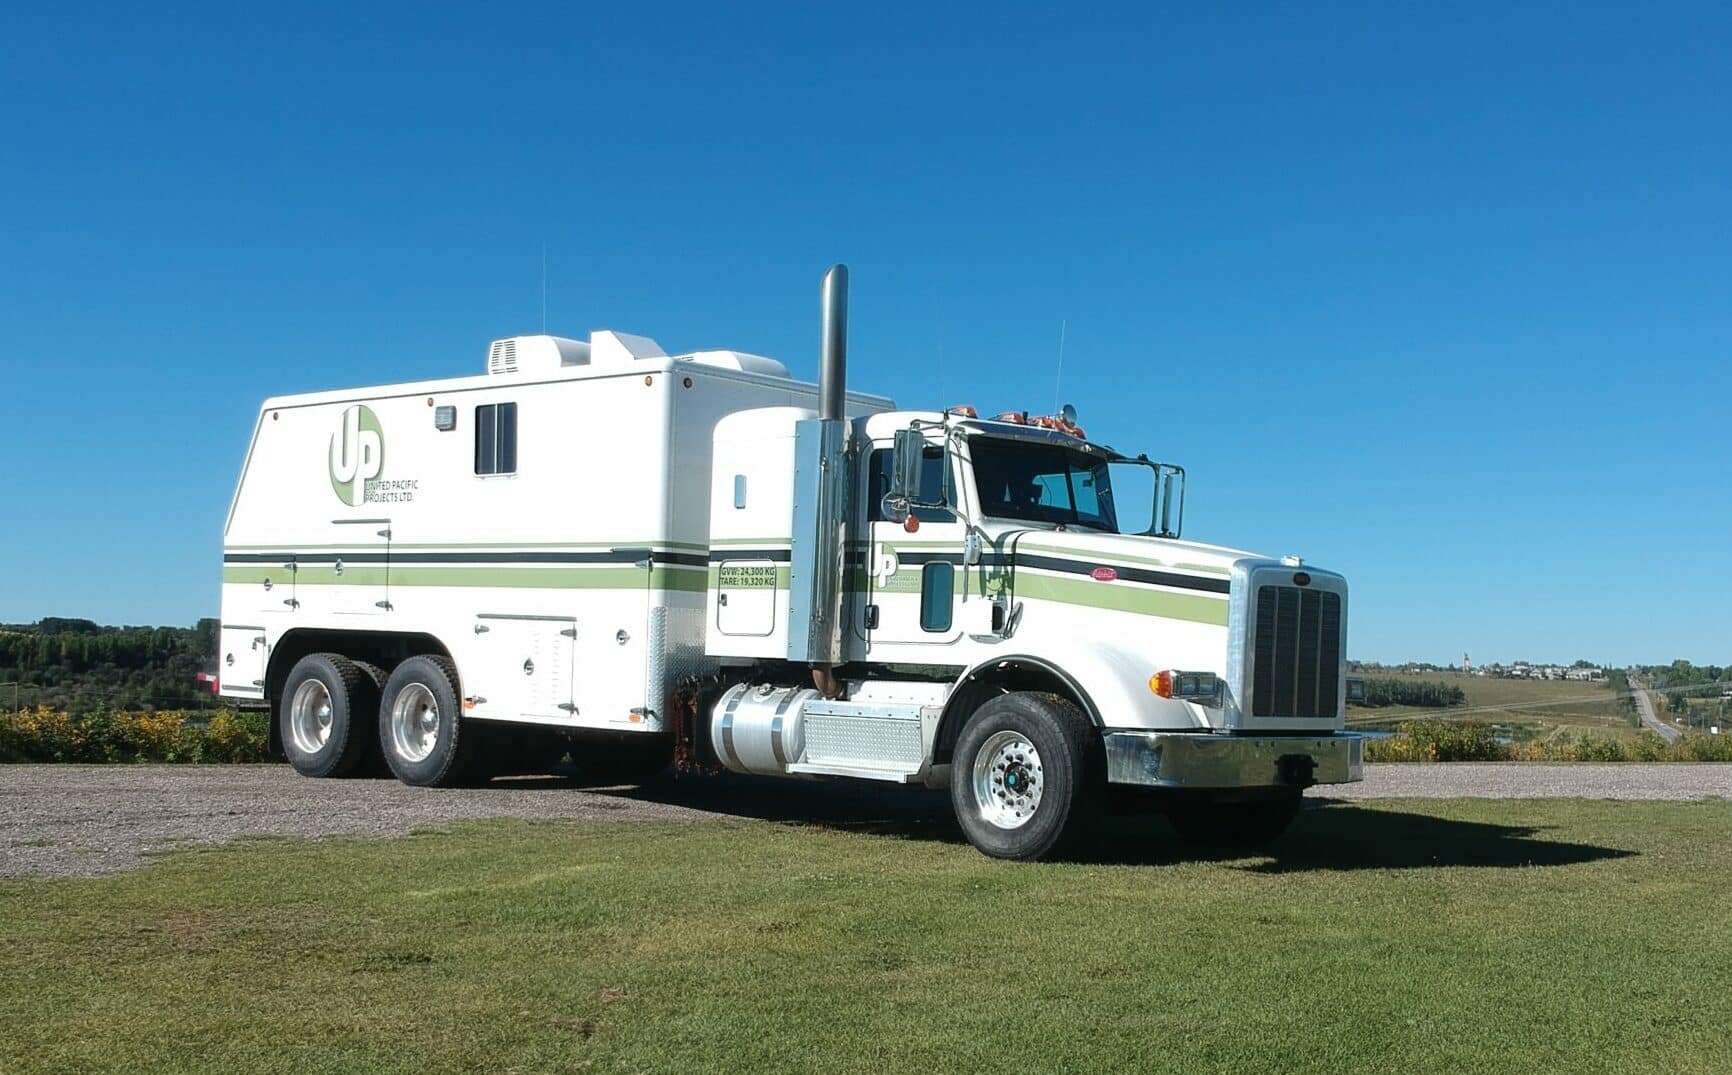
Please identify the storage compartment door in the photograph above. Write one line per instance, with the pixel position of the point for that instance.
(521, 666)
(357, 580)
(241, 667)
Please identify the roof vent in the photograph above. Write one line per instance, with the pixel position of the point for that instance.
(535, 354)
(622, 348)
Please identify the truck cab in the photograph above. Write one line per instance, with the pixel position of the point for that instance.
(1011, 566)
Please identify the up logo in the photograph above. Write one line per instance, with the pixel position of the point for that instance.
(357, 454)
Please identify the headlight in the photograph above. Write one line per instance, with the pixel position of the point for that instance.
(1204, 688)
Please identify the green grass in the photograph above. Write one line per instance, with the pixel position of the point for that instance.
(1454, 936)
(1525, 709)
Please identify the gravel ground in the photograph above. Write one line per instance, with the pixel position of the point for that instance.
(64, 820)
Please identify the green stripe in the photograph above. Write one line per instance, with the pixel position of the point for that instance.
(665, 577)
(497, 546)
(1144, 602)
(1086, 556)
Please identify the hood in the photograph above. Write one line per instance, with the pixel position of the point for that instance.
(1125, 549)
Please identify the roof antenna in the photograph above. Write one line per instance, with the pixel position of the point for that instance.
(1058, 381)
(544, 287)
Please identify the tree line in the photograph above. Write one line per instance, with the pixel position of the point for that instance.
(1381, 692)
(80, 666)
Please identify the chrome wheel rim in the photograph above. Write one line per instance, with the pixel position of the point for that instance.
(1007, 780)
(311, 717)
(414, 723)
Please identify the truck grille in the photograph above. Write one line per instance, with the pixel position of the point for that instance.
(1296, 656)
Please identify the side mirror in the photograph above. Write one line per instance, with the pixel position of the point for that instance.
(905, 465)
(1147, 498)
(1172, 499)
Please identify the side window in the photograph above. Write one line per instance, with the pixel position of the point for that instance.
(1052, 490)
(496, 438)
(931, 478)
(1088, 500)
(937, 584)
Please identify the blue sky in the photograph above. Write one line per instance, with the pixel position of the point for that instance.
(1436, 296)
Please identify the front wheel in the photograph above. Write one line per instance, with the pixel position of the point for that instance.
(421, 732)
(1027, 776)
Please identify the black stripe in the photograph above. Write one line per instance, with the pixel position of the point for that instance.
(987, 559)
(781, 556)
(918, 558)
(1128, 574)
(407, 557)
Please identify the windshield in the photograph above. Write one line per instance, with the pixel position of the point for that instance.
(1047, 483)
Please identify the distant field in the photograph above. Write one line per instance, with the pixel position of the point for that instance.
(1533, 936)
(1527, 709)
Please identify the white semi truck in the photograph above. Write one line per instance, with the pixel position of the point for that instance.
(639, 558)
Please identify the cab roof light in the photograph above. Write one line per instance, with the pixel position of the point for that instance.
(1059, 423)
(964, 410)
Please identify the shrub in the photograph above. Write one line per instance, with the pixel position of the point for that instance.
(52, 735)
(236, 737)
(1650, 747)
(1589, 748)
(1705, 748)
(1436, 740)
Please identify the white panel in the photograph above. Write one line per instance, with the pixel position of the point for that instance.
(746, 597)
(243, 659)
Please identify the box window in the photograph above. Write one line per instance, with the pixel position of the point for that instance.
(496, 438)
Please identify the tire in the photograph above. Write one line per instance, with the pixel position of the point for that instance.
(325, 714)
(1033, 751)
(422, 734)
(1252, 823)
(372, 761)
(635, 760)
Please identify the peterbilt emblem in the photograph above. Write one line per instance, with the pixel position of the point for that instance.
(1104, 574)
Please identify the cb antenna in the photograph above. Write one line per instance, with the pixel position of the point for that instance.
(1058, 381)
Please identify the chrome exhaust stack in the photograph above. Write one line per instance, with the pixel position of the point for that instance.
(833, 345)
(821, 496)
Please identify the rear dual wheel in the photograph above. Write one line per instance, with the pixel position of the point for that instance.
(326, 715)
(421, 731)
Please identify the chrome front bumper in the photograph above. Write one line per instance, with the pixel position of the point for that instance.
(1208, 760)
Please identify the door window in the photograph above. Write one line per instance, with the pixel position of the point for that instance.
(937, 584)
(932, 479)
